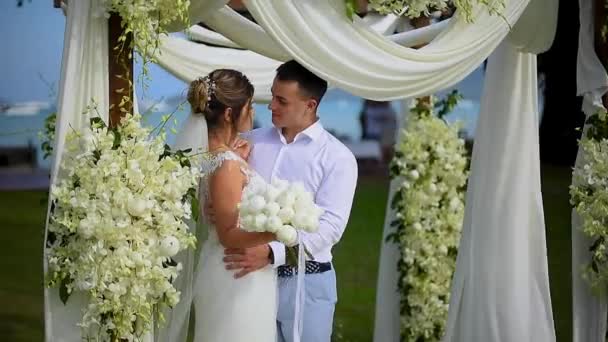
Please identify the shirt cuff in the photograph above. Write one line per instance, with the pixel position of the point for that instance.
(278, 250)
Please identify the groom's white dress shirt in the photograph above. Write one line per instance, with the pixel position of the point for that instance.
(324, 165)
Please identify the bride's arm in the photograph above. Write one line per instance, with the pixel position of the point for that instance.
(226, 187)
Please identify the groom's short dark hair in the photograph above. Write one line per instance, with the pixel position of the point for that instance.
(311, 84)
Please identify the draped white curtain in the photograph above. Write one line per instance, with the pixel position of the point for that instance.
(84, 76)
(188, 60)
(589, 311)
(500, 291)
(352, 56)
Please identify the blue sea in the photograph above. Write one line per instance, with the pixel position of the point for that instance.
(339, 112)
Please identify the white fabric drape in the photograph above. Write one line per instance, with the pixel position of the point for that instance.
(527, 35)
(387, 322)
(589, 311)
(357, 59)
(500, 291)
(84, 76)
(245, 33)
(188, 60)
(201, 34)
(383, 24)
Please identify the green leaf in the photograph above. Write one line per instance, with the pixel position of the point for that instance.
(196, 207)
(350, 9)
(63, 290)
(97, 122)
(117, 139)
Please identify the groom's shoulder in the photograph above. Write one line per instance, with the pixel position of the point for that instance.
(338, 150)
(258, 134)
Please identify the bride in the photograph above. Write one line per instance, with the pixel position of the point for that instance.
(225, 308)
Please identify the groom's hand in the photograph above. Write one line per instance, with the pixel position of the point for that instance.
(246, 260)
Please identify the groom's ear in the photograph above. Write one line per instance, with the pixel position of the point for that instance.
(312, 104)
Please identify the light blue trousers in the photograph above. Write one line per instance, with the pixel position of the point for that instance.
(320, 302)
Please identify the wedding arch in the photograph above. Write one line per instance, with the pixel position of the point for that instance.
(500, 291)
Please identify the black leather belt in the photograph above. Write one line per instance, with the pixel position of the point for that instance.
(312, 267)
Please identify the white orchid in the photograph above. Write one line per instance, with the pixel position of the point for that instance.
(117, 218)
(429, 213)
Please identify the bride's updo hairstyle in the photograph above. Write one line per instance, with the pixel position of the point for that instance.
(221, 89)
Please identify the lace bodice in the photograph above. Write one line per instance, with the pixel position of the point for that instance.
(210, 164)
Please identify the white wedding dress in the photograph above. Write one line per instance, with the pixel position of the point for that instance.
(228, 309)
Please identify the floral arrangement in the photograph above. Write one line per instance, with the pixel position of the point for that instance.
(116, 221)
(147, 20)
(430, 165)
(589, 195)
(417, 8)
(281, 208)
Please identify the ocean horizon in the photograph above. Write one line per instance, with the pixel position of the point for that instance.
(339, 113)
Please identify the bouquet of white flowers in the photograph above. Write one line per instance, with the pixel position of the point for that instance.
(281, 208)
(117, 218)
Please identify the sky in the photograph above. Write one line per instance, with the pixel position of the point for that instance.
(32, 48)
(30, 64)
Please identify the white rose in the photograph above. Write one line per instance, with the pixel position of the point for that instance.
(286, 199)
(305, 197)
(273, 224)
(257, 203)
(414, 174)
(417, 226)
(286, 214)
(272, 209)
(299, 220)
(297, 188)
(287, 235)
(247, 222)
(311, 224)
(137, 207)
(271, 193)
(280, 183)
(258, 188)
(443, 249)
(259, 222)
(169, 246)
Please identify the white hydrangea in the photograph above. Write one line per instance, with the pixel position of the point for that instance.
(431, 165)
(117, 218)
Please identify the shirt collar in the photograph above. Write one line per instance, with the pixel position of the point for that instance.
(313, 132)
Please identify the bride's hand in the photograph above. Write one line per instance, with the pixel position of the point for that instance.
(242, 147)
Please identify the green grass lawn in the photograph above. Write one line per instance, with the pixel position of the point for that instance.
(356, 260)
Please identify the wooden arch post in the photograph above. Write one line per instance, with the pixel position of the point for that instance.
(120, 69)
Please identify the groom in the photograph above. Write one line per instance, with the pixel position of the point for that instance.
(298, 148)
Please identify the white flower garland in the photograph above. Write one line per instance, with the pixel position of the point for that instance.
(589, 195)
(417, 8)
(117, 219)
(430, 163)
(147, 20)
